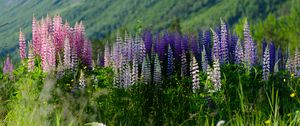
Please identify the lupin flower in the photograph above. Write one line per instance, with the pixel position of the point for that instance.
(36, 37)
(170, 66)
(272, 52)
(266, 64)
(82, 81)
(195, 47)
(239, 53)
(30, 58)
(249, 46)
(279, 58)
(147, 38)
(146, 71)
(74, 59)
(289, 65)
(51, 54)
(44, 55)
(60, 68)
(184, 70)
(142, 50)
(216, 46)
(87, 53)
(125, 47)
(232, 46)
(8, 67)
(117, 50)
(296, 60)
(58, 33)
(178, 47)
(204, 61)
(67, 54)
(22, 45)
(195, 74)
(216, 75)
(134, 71)
(157, 71)
(224, 43)
(126, 76)
(106, 55)
(206, 42)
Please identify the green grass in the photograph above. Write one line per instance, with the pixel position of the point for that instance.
(33, 98)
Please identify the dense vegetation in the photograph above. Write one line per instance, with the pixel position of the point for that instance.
(172, 78)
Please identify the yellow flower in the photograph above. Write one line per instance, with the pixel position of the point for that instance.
(292, 74)
(284, 80)
(268, 121)
(293, 95)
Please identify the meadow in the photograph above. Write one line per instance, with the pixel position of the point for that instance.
(212, 77)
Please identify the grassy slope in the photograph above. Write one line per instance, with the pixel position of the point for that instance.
(105, 16)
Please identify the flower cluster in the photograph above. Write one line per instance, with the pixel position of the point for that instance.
(50, 37)
(8, 67)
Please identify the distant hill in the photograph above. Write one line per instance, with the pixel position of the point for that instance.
(102, 17)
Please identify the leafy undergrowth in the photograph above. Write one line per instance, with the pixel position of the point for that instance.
(34, 98)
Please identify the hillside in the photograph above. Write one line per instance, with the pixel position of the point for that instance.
(103, 17)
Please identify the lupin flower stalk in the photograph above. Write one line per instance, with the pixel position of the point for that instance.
(272, 52)
(239, 53)
(195, 74)
(30, 58)
(249, 46)
(134, 71)
(147, 38)
(289, 65)
(45, 48)
(74, 59)
(216, 46)
(206, 43)
(117, 50)
(125, 75)
(67, 54)
(266, 64)
(8, 67)
(204, 61)
(82, 81)
(184, 70)
(51, 54)
(22, 45)
(106, 55)
(296, 62)
(87, 54)
(60, 68)
(36, 37)
(170, 66)
(224, 43)
(216, 75)
(142, 50)
(146, 71)
(157, 71)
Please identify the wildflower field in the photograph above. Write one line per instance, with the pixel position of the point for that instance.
(148, 79)
(215, 76)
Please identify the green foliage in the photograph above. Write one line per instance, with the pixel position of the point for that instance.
(34, 98)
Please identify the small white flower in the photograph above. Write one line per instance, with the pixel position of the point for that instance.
(95, 124)
(220, 123)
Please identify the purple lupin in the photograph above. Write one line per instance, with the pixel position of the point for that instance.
(224, 43)
(239, 53)
(170, 66)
